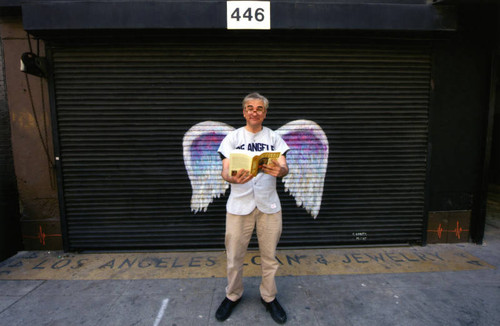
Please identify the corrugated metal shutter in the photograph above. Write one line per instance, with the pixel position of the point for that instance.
(10, 229)
(123, 109)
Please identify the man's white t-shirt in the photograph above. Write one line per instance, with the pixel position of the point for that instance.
(261, 191)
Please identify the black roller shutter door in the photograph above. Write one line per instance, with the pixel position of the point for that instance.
(122, 109)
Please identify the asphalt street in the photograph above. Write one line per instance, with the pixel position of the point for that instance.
(459, 292)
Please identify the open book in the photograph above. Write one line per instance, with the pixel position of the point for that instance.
(240, 159)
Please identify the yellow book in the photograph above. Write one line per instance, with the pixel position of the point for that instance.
(239, 159)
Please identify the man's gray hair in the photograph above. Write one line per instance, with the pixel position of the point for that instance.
(255, 96)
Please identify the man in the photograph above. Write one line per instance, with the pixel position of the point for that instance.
(253, 202)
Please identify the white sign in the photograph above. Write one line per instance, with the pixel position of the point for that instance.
(248, 15)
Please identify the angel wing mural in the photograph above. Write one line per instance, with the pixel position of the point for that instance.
(307, 162)
(203, 163)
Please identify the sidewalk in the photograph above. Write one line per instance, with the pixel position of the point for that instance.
(450, 297)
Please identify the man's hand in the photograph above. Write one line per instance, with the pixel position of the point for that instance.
(276, 168)
(242, 176)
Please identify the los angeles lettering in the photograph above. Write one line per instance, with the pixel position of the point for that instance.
(256, 147)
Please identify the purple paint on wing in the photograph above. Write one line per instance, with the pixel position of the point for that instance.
(304, 141)
(205, 145)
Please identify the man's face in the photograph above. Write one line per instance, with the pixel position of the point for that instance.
(255, 113)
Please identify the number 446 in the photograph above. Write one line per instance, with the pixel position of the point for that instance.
(258, 14)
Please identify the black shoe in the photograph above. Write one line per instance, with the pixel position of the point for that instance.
(277, 312)
(225, 309)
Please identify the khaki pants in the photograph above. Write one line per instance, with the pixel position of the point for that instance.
(239, 229)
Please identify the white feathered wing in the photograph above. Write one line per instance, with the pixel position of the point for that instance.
(307, 162)
(203, 163)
